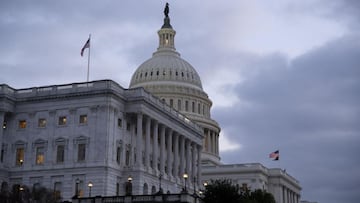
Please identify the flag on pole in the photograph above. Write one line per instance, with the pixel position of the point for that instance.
(86, 45)
(275, 155)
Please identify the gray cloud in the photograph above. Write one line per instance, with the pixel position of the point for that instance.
(306, 107)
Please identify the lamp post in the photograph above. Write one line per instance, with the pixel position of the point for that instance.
(194, 185)
(160, 190)
(129, 186)
(90, 185)
(21, 190)
(185, 176)
(77, 181)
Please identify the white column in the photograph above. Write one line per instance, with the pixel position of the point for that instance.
(162, 149)
(217, 143)
(176, 154)
(188, 156)
(155, 145)
(287, 196)
(169, 152)
(198, 165)
(193, 160)
(208, 141)
(139, 147)
(182, 157)
(147, 143)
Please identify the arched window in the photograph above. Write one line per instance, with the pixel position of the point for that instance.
(145, 189)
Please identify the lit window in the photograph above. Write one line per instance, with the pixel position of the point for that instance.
(42, 123)
(60, 154)
(62, 120)
(57, 190)
(83, 119)
(40, 155)
(81, 152)
(19, 156)
(119, 123)
(4, 125)
(22, 124)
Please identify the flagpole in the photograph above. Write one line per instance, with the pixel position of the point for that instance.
(88, 70)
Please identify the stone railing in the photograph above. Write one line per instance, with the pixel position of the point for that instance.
(167, 198)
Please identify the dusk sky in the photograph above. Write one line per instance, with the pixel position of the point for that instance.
(282, 74)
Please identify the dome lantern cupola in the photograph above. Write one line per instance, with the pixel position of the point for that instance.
(166, 34)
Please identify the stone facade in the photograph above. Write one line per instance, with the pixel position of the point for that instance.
(281, 185)
(65, 136)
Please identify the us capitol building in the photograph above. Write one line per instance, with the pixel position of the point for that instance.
(148, 136)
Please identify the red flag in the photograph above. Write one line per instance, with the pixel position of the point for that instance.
(87, 45)
(275, 155)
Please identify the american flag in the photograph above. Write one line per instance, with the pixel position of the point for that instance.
(87, 45)
(274, 155)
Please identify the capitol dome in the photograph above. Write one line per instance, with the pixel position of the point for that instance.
(166, 66)
(173, 80)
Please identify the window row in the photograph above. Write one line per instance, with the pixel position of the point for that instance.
(40, 153)
(42, 122)
(157, 73)
(189, 107)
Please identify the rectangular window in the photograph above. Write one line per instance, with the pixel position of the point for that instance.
(62, 120)
(22, 124)
(118, 154)
(117, 189)
(2, 155)
(4, 125)
(171, 102)
(83, 119)
(199, 108)
(186, 105)
(19, 156)
(40, 155)
(127, 161)
(179, 105)
(128, 126)
(119, 122)
(193, 107)
(81, 152)
(42, 123)
(60, 154)
(57, 190)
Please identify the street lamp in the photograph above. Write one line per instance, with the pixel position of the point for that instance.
(90, 184)
(129, 186)
(160, 190)
(185, 176)
(77, 182)
(194, 185)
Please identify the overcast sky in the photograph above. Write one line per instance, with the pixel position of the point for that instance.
(282, 74)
